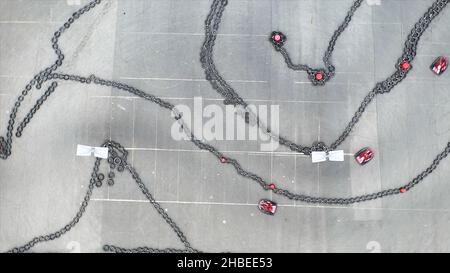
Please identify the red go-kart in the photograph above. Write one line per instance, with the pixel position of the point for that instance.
(439, 65)
(267, 206)
(364, 156)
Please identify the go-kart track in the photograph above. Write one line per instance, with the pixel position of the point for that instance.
(113, 72)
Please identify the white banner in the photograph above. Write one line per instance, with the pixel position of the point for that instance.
(324, 156)
(100, 152)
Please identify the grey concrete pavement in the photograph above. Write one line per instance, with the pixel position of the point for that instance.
(154, 45)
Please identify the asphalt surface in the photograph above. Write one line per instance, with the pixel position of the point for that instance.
(155, 45)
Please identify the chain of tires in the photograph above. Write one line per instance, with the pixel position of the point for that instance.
(328, 71)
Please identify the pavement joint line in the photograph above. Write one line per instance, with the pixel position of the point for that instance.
(27, 22)
(134, 129)
(32, 22)
(186, 79)
(192, 34)
(216, 99)
(234, 34)
(225, 151)
(255, 204)
(14, 76)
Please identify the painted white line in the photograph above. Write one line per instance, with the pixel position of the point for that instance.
(255, 204)
(225, 151)
(193, 34)
(26, 22)
(15, 76)
(221, 99)
(182, 79)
